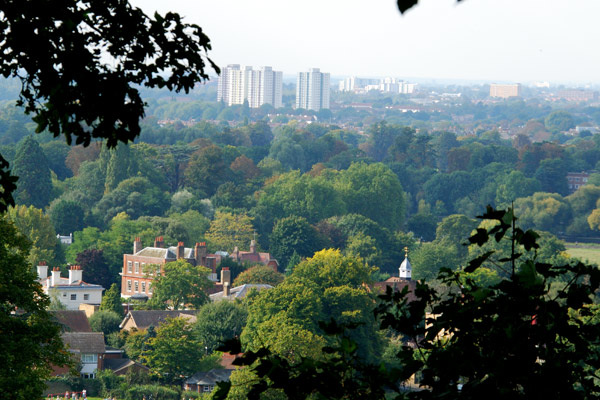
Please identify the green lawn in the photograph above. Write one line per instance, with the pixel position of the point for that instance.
(585, 252)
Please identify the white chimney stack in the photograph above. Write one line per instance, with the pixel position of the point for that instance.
(55, 276)
(75, 274)
(42, 270)
(226, 281)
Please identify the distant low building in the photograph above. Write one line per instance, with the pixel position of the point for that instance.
(71, 291)
(68, 240)
(575, 180)
(505, 91)
(143, 319)
(254, 257)
(577, 95)
(205, 382)
(398, 283)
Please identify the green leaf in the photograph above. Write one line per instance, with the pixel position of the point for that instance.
(476, 262)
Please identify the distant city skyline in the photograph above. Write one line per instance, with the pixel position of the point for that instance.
(474, 40)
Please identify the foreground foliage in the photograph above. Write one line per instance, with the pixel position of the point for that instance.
(29, 341)
(529, 336)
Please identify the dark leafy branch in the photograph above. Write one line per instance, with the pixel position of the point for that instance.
(512, 340)
(80, 62)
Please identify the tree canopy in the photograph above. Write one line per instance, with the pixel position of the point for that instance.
(79, 64)
(30, 342)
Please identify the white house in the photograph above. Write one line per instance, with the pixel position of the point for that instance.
(71, 291)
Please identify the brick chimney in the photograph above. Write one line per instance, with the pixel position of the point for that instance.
(226, 281)
(137, 245)
(42, 270)
(55, 276)
(200, 253)
(75, 274)
(180, 250)
(159, 242)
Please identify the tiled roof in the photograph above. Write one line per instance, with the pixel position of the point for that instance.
(64, 283)
(227, 360)
(72, 320)
(239, 292)
(144, 318)
(84, 342)
(262, 258)
(209, 378)
(165, 253)
(119, 364)
(397, 284)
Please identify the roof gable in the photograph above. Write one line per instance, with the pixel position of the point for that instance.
(144, 318)
(84, 342)
(72, 320)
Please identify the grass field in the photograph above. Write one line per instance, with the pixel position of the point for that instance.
(585, 252)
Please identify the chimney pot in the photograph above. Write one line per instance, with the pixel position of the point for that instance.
(137, 245)
(42, 270)
(180, 250)
(226, 281)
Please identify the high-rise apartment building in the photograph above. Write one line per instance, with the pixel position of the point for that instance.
(258, 86)
(505, 91)
(312, 90)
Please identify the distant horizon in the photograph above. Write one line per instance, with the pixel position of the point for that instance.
(438, 40)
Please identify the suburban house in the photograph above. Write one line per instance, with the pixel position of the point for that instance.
(143, 319)
(238, 292)
(205, 382)
(254, 257)
(575, 180)
(71, 291)
(72, 320)
(87, 347)
(113, 360)
(137, 275)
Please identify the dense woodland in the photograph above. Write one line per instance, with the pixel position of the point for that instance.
(300, 187)
(364, 186)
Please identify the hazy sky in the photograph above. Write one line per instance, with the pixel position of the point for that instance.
(491, 40)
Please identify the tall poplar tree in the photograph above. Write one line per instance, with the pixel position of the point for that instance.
(30, 165)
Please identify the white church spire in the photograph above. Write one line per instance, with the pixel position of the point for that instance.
(405, 267)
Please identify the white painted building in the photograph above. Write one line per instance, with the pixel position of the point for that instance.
(386, 85)
(71, 291)
(312, 90)
(258, 86)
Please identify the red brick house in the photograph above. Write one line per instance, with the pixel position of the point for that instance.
(136, 277)
(254, 257)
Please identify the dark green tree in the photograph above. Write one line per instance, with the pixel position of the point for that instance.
(530, 335)
(176, 352)
(30, 341)
(180, 284)
(294, 234)
(111, 300)
(80, 80)
(66, 216)
(56, 153)
(105, 321)
(35, 185)
(95, 268)
(218, 322)
(259, 274)
(559, 121)
(552, 175)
